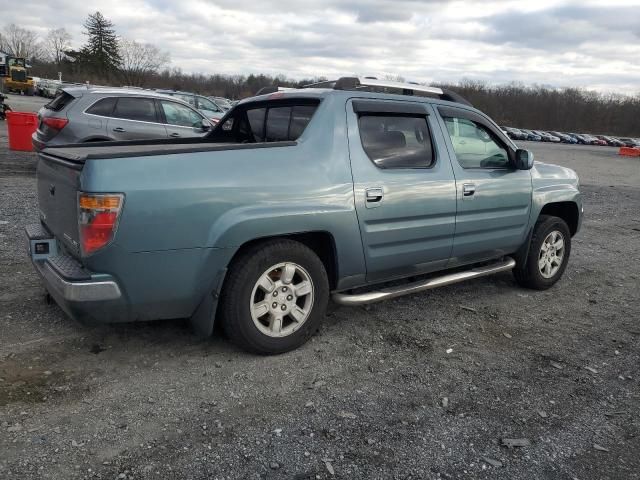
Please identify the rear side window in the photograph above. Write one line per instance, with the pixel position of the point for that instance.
(281, 124)
(59, 102)
(131, 108)
(103, 107)
(275, 122)
(396, 141)
(256, 122)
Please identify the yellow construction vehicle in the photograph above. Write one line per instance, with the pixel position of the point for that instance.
(13, 76)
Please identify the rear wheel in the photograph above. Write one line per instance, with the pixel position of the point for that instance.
(548, 254)
(274, 297)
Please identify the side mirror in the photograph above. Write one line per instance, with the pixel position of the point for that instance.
(524, 159)
(205, 125)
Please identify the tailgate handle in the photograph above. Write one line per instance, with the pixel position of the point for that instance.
(118, 129)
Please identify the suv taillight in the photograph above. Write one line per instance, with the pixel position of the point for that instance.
(55, 123)
(98, 219)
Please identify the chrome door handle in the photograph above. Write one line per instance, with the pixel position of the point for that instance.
(374, 194)
(468, 189)
(118, 129)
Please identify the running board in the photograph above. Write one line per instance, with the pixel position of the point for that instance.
(392, 292)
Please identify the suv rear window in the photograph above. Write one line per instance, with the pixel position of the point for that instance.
(133, 108)
(60, 101)
(103, 107)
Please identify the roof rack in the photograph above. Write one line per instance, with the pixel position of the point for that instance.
(409, 88)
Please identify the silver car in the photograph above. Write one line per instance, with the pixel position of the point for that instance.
(204, 105)
(80, 114)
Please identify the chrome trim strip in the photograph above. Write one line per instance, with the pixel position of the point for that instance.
(398, 291)
(78, 291)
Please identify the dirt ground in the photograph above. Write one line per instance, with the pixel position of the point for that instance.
(423, 387)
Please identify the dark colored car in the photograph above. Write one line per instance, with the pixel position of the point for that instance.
(564, 138)
(547, 137)
(611, 141)
(515, 133)
(531, 136)
(629, 142)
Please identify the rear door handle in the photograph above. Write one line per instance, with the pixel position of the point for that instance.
(468, 189)
(373, 196)
(174, 134)
(119, 129)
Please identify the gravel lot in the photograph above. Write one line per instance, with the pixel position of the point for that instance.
(422, 387)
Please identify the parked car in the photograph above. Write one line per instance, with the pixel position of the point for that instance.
(610, 141)
(514, 133)
(293, 198)
(564, 138)
(582, 139)
(531, 135)
(206, 106)
(222, 102)
(80, 114)
(629, 142)
(547, 137)
(591, 140)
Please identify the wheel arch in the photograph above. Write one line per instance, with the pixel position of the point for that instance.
(321, 242)
(567, 211)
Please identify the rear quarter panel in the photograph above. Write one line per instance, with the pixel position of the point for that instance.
(213, 202)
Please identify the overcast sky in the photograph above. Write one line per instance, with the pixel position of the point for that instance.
(586, 43)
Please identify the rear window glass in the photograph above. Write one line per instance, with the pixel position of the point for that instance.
(131, 108)
(277, 125)
(396, 141)
(256, 122)
(103, 107)
(59, 102)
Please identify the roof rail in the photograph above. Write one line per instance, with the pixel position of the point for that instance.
(272, 89)
(409, 88)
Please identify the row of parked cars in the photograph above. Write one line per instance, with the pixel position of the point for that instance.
(572, 138)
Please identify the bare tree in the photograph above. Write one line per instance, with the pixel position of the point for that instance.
(140, 61)
(20, 42)
(56, 43)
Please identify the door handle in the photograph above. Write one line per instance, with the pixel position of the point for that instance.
(468, 189)
(174, 135)
(373, 194)
(119, 129)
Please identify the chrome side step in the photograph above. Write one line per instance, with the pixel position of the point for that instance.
(392, 292)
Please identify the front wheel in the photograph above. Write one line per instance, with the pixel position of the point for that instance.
(274, 297)
(548, 254)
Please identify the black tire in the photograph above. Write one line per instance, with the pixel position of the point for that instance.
(238, 289)
(528, 274)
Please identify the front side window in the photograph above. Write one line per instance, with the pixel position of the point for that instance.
(131, 108)
(180, 115)
(474, 145)
(396, 141)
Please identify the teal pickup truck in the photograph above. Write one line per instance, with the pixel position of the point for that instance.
(333, 190)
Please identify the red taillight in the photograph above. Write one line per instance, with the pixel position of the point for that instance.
(55, 123)
(97, 219)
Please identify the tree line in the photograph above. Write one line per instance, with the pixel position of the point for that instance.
(109, 59)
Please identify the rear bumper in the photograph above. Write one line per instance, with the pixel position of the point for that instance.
(85, 296)
(76, 291)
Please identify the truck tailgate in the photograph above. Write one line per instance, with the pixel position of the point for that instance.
(58, 185)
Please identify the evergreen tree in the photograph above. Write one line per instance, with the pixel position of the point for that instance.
(101, 54)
